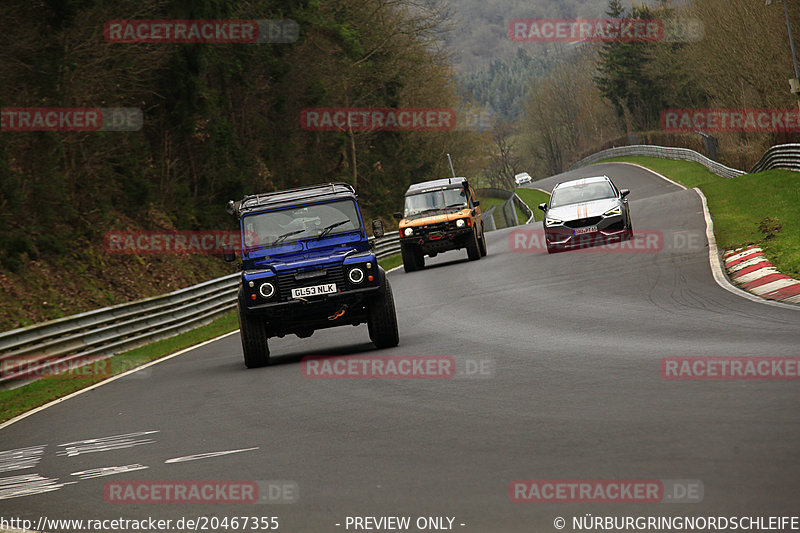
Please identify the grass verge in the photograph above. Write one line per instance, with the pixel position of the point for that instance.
(753, 209)
(390, 262)
(489, 202)
(533, 198)
(17, 401)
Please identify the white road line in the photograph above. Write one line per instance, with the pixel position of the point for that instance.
(112, 379)
(108, 471)
(27, 485)
(650, 170)
(208, 455)
(714, 259)
(21, 458)
(104, 444)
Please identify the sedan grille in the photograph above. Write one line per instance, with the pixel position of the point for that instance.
(582, 222)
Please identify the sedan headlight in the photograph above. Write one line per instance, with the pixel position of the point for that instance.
(613, 211)
(408, 232)
(550, 221)
(460, 223)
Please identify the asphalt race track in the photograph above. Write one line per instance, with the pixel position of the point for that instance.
(571, 388)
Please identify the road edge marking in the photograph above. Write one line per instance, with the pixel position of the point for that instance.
(35, 410)
(714, 259)
(663, 177)
(717, 269)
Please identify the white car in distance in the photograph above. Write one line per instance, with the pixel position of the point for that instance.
(522, 178)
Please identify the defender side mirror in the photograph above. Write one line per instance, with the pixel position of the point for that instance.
(476, 203)
(377, 228)
(543, 206)
(398, 215)
(228, 253)
(624, 192)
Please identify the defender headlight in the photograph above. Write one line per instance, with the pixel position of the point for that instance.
(460, 223)
(613, 211)
(266, 289)
(356, 275)
(549, 221)
(408, 232)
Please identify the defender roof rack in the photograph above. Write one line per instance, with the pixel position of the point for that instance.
(269, 199)
(445, 183)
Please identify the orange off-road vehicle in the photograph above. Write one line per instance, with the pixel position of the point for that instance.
(440, 215)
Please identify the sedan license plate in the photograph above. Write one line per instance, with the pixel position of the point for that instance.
(587, 229)
(302, 292)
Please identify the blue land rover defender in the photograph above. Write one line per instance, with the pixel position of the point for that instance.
(307, 264)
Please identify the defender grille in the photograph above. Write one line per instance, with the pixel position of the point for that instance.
(308, 278)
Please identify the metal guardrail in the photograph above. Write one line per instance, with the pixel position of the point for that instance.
(665, 152)
(70, 342)
(525, 208)
(507, 210)
(387, 245)
(785, 156)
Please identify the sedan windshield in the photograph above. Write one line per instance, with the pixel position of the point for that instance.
(417, 204)
(587, 192)
(312, 221)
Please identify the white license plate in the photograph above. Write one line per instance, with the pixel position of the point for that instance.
(587, 229)
(303, 292)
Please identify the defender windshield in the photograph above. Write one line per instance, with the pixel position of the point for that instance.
(442, 199)
(296, 223)
(587, 192)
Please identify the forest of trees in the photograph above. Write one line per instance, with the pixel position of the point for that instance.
(478, 29)
(223, 120)
(613, 93)
(220, 120)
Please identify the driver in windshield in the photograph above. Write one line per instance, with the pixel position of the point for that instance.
(456, 200)
(444, 199)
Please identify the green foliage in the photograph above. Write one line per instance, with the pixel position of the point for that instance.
(637, 78)
(502, 86)
(14, 402)
(756, 208)
(220, 120)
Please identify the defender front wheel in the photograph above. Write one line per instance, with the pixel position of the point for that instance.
(382, 321)
(413, 258)
(255, 344)
(473, 247)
